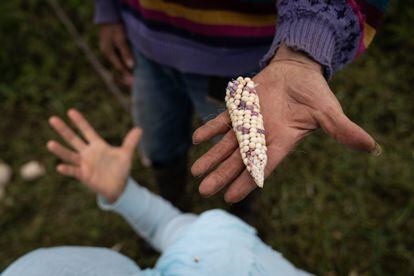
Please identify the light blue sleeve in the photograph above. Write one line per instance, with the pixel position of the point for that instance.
(74, 260)
(220, 244)
(152, 217)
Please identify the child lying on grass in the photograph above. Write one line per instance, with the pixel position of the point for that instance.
(213, 243)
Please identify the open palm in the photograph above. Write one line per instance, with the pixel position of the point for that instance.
(295, 100)
(100, 166)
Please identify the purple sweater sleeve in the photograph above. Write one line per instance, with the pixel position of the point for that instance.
(106, 11)
(327, 30)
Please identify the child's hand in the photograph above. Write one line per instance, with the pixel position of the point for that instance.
(102, 167)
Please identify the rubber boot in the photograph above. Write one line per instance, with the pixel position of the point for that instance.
(245, 209)
(171, 179)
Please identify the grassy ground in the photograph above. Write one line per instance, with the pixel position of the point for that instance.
(329, 210)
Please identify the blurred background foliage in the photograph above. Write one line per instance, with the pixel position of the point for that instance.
(328, 210)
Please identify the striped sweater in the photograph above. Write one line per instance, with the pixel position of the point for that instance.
(232, 37)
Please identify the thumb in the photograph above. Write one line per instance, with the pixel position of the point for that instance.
(132, 139)
(335, 123)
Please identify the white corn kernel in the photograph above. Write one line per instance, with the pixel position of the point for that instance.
(248, 128)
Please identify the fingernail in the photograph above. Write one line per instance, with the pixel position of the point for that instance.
(194, 140)
(51, 119)
(130, 63)
(377, 150)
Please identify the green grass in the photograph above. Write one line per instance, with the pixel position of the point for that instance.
(328, 210)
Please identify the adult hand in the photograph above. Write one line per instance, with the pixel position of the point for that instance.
(100, 166)
(114, 45)
(295, 100)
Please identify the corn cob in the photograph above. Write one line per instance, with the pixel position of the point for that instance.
(243, 105)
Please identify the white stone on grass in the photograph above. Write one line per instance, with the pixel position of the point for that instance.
(5, 174)
(32, 170)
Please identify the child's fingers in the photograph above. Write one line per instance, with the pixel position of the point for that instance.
(63, 153)
(132, 139)
(69, 170)
(67, 133)
(83, 125)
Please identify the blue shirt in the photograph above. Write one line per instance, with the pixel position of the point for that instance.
(213, 243)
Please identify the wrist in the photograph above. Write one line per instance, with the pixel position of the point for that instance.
(285, 53)
(114, 194)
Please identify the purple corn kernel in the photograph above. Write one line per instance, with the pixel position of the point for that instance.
(245, 130)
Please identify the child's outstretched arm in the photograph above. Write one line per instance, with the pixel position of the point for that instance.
(95, 163)
(105, 170)
(152, 217)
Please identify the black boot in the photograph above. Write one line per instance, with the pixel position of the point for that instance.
(171, 179)
(245, 209)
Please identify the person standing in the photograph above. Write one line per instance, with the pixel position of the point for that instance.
(178, 50)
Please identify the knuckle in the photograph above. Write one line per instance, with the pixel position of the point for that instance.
(72, 158)
(220, 177)
(211, 123)
(209, 157)
(328, 110)
(229, 140)
(335, 135)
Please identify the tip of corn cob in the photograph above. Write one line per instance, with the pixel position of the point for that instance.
(244, 108)
(257, 172)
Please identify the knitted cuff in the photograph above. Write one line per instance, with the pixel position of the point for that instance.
(308, 34)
